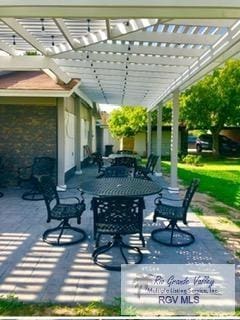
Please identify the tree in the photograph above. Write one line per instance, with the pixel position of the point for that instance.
(214, 101)
(166, 114)
(127, 121)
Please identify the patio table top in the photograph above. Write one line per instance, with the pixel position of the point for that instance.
(120, 187)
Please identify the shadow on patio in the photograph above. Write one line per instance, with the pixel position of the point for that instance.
(35, 271)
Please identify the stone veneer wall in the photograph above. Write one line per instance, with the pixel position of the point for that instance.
(26, 131)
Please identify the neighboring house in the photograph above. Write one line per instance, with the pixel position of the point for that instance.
(39, 117)
(104, 137)
(140, 140)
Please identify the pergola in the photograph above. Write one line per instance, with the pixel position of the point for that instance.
(124, 52)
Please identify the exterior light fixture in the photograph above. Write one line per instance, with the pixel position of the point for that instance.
(53, 43)
(42, 24)
(14, 39)
(88, 27)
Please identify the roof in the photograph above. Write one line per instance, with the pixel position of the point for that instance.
(130, 52)
(32, 80)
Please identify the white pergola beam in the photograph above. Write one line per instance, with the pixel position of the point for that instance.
(167, 9)
(167, 37)
(135, 59)
(62, 26)
(118, 30)
(26, 63)
(123, 48)
(6, 48)
(121, 67)
(23, 33)
(120, 73)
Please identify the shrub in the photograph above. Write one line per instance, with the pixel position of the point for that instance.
(192, 159)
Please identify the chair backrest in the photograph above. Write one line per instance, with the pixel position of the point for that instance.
(43, 166)
(151, 163)
(189, 195)
(123, 214)
(129, 162)
(116, 171)
(48, 189)
(124, 152)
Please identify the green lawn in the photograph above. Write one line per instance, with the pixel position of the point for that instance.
(218, 178)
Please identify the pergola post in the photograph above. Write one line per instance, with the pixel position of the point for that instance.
(149, 133)
(61, 186)
(159, 137)
(78, 137)
(174, 141)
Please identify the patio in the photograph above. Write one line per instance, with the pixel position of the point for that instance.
(35, 271)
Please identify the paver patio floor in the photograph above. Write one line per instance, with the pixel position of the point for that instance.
(36, 271)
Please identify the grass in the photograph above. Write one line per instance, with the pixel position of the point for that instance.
(218, 178)
(11, 306)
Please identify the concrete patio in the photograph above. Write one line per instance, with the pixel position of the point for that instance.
(34, 271)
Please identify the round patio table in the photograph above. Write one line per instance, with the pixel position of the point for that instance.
(113, 156)
(130, 187)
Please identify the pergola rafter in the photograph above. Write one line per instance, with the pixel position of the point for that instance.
(120, 60)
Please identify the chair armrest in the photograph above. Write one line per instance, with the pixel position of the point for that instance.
(75, 198)
(24, 172)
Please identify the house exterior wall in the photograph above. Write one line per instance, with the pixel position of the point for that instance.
(28, 129)
(140, 142)
(69, 124)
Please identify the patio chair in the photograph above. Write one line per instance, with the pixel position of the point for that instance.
(97, 159)
(125, 152)
(62, 212)
(144, 171)
(129, 162)
(174, 214)
(30, 175)
(117, 216)
(116, 171)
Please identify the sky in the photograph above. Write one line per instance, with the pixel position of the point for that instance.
(108, 107)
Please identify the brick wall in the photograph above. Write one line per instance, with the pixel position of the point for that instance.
(26, 132)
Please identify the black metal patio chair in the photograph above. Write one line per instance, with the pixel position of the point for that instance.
(116, 171)
(129, 162)
(125, 151)
(117, 216)
(174, 214)
(63, 212)
(144, 171)
(29, 176)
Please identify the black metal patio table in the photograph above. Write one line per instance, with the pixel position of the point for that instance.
(127, 187)
(117, 189)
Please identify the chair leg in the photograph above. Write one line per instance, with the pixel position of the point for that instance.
(64, 225)
(116, 242)
(1, 194)
(173, 228)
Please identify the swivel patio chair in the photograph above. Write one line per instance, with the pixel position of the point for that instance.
(116, 171)
(177, 237)
(30, 175)
(129, 162)
(117, 216)
(143, 172)
(62, 212)
(125, 152)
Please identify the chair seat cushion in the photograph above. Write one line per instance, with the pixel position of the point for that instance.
(116, 229)
(169, 212)
(61, 211)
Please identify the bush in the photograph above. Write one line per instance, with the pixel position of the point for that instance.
(192, 159)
